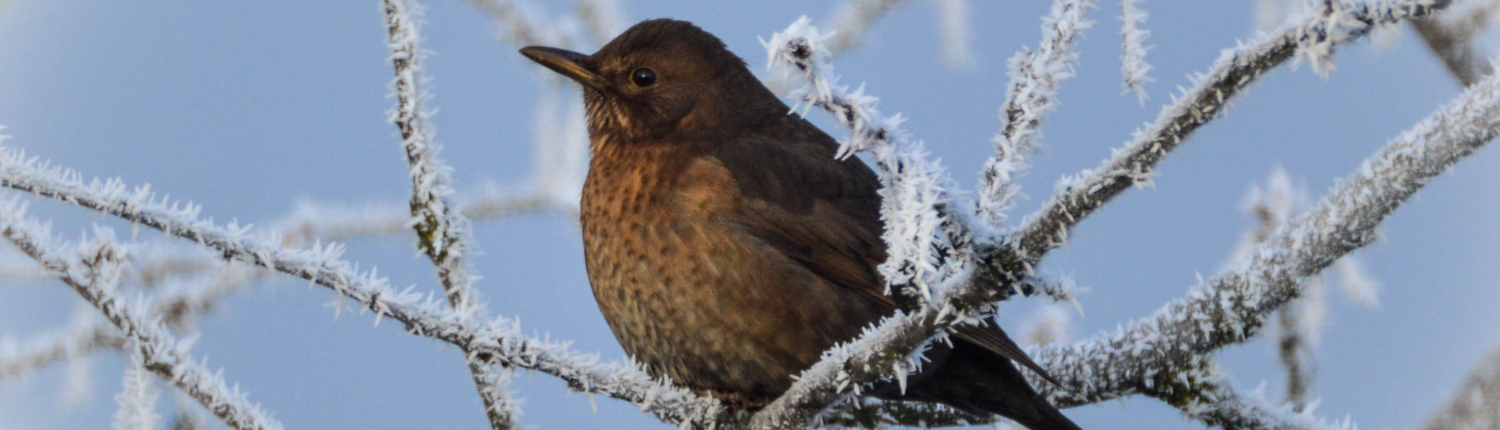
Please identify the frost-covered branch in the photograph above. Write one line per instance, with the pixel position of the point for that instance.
(21, 357)
(1030, 96)
(17, 269)
(1151, 355)
(1476, 405)
(956, 33)
(1299, 322)
(311, 222)
(928, 243)
(922, 232)
(1450, 37)
(1218, 404)
(501, 339)
(853, 18)
(1133, 66)
(177, 304)
(873, 413)
(137, 399)
(442, 234)
(94, 273)
(1078, 197)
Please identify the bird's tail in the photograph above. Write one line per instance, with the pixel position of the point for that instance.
(975, 380)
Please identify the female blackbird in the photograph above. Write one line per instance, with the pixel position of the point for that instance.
(728, 248)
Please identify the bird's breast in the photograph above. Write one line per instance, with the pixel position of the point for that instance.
(684, 293)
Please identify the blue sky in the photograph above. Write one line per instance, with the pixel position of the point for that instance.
(245, 109)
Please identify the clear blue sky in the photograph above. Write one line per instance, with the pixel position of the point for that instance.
(246, 108)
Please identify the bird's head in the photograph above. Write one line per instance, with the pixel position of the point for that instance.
(661, 76)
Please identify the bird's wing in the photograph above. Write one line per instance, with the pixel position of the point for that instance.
(825, 215)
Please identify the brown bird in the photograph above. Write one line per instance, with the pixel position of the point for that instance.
(726, 245)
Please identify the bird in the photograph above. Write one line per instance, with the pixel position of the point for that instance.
(728, 247)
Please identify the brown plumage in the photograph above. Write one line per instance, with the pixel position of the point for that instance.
(728, 248)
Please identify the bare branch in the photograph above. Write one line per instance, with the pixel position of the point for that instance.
(94, 274)
(1476, 405)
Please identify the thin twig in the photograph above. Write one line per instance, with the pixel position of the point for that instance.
(441, 234)
(94, 274)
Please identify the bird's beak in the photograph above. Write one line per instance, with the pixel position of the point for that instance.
(565, 62)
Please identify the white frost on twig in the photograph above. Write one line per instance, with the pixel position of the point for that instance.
(442, 232)
(1359, 285)
(1134, 165)
(915, 206)
(1133, 64)
(1232, 307)
(137, 397)
(94, 272)
(1219, 405)
(1030, 96)
(853, 18)
(1270, 14)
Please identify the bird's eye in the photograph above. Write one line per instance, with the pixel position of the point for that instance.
(643, 77)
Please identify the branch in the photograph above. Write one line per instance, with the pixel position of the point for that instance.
(441, 234)
(1154, 353)
(919, 234)
(893, 347)
(310, 222)
(1476, 405)
(94, 274)
(1133, 64)
(19, 358)
(501, 338)
(1300, 321)
(1031, 95)
(177, 304)
(1222, 406)
(1077, 198)
(852, 20)
(137, 399)
(1450, 39)
(956, 33)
